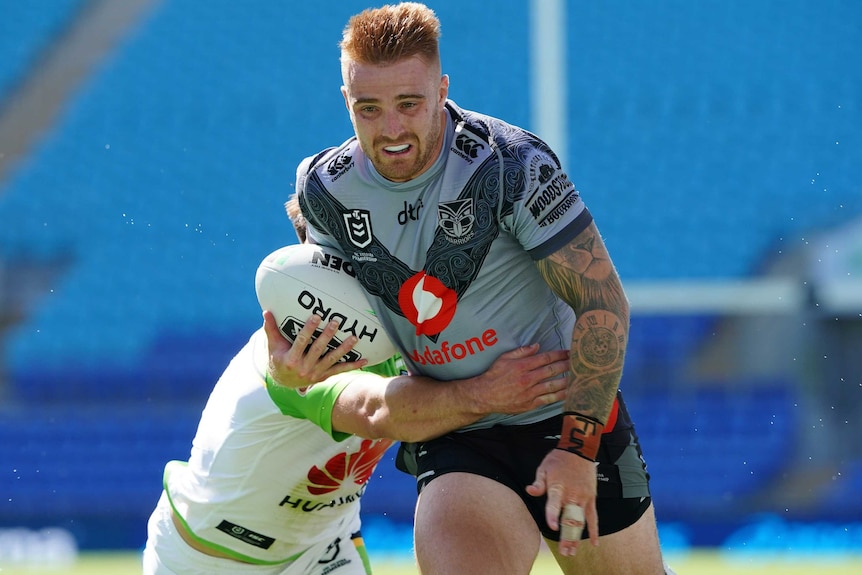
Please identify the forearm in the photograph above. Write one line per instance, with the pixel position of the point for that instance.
(405, 408)
(583, 275)
(597, 356)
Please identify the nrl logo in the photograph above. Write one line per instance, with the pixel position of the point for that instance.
(358, 224)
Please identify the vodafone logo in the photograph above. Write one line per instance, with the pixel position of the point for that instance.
(427, 303)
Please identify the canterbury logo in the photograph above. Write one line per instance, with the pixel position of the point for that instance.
(338, 164)
(467, 147)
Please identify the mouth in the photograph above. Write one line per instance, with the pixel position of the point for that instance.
(397, 150)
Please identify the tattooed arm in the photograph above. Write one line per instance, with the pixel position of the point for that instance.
(581, 273)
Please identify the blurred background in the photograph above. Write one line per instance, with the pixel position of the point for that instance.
(147, 147)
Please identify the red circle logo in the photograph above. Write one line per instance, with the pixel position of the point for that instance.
(427, 303)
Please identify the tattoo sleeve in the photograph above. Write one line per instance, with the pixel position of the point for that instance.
(582, 274)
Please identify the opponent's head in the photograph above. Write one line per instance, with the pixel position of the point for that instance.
(393, 87)
(298, 220)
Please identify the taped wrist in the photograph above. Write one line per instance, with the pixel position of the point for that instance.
(581, 435)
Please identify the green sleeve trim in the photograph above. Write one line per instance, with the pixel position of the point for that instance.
(316, 403)
(389, 368)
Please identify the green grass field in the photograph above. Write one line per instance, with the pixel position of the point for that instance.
(699, 562)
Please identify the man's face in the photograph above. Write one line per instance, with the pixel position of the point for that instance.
(397, 114)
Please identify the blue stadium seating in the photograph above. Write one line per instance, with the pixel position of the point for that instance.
(701, 156)
(660, 347)
(27, 28)
(710, 448)
(838, 498)
(75, 459)
(166, 162)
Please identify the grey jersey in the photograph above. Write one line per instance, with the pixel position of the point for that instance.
(448, 257)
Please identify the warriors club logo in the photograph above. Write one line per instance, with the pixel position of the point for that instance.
(427, 303)
(354, 467)
(456, 219)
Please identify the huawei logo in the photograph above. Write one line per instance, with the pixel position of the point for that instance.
(353, 467)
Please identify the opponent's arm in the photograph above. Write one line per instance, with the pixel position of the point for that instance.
(302, 364)
(415, 408)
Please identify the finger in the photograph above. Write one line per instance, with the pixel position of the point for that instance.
(573, 522)
(553, 381)
(320, 346)
(559, 367)
(554, 388)
(556, 394)
(549, 392)
(343, 367)
(269, 325)
(553, 357)
(546, 365)
(306, 334)
(539, 361)
(593, 522)
(553, 507)
(276, 343)
(537, 487)
(559, 355)
(522, 352)
(343, 349)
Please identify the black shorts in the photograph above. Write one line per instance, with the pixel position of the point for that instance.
(510, 454)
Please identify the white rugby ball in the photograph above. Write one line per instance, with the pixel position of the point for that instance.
(298, 280)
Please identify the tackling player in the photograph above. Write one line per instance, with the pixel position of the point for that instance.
(275, 477)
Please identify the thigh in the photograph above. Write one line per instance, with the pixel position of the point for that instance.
(511, 454)
(471, 524)
(633, 551)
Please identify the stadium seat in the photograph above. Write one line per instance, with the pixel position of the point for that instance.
(25, 30)
(161, 187)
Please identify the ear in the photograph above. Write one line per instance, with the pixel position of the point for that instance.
(344, 94)
(444, 89)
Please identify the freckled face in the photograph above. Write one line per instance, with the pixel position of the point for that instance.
(397, 114)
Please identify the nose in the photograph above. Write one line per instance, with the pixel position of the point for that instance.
(392, 126)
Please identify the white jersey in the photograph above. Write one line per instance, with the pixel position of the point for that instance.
(268, 477)
(449, 257)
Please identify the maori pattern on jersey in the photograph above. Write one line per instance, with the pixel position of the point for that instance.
(455, 264)
(522, 152)
(382, 279)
